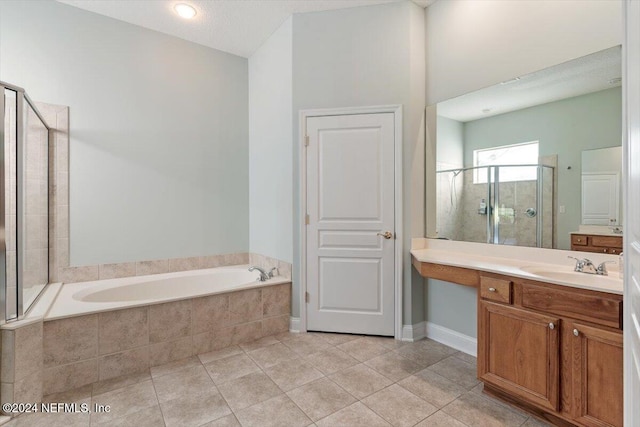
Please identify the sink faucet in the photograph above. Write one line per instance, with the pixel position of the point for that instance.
(600, 270)
(581, 264)
(264, 275)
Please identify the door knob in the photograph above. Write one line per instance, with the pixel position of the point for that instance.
(387, 234)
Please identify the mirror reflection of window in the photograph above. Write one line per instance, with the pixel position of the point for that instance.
(516, 154)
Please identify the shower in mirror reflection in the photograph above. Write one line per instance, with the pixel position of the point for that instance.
(566, 109)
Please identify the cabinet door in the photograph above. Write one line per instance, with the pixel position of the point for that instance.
(597, 376)
(518, 351)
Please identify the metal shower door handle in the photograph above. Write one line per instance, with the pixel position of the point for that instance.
(387, 234)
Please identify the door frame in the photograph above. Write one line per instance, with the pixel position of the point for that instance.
(302, 163)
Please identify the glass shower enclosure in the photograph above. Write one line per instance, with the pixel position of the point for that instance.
(501, 204)
(24, 205)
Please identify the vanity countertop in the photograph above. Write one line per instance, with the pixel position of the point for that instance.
(598, 230)
(518, 262)
(597, 233)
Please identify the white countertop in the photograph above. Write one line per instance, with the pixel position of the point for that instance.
(598, 230)
(510, 261)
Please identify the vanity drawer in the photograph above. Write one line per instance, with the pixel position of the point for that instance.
(493, 289)
(575, 304)
(606, 241)
(578, 240)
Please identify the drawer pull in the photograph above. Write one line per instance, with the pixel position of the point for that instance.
(576, 332)
(552, 326)
(579, 240)
(604, 250)
(492, 289)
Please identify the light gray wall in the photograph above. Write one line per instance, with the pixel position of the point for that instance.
(474, 44)
(565, 128)
(159, 131)
(450, 143)
(270, 146)
(363, 57)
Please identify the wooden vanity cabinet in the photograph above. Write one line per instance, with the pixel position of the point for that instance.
(519, 352)
(597, 375)
(553, 350)
(596, 243)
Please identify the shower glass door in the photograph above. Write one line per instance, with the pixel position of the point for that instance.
(24, 203)
(515, 207)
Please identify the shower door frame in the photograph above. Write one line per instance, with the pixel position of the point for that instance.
(21, 97)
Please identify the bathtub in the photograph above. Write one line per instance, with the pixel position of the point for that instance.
(96, 331)
(80, 298)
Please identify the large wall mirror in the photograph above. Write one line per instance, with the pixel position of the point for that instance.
(528, 161)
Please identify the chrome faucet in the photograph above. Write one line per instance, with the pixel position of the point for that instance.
(582, 264)
(264, 275)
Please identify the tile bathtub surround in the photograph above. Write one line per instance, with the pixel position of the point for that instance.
(98, 347)
(274, 382)
(21, 365)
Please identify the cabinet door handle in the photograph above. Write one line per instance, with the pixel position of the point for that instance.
(576, 332)
(552, 326)
(492, 289)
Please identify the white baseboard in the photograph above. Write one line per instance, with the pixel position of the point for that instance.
(294, 324)
(415, 332)
(446, 336)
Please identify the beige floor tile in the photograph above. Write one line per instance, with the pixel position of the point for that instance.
(285, 336)
(189, 411)
(387, 342)
(440, 419)
(425, 353)
(220, 354)
(534, 422)
(171, 367)
(320, 398)
(336, 339)
(228, 421)
(187, 382)
(230, 368)
(272, 355)
(249, 390)
(125, 401)
(150, 417)
(105, 386)
(356, 415)
(360, 380)
(70, 396)
(52, 420)
(476, 410)
(466, 357)
(262, 342)
(331, 360)
(279, 411)
(433, 388)
(307, 344)
(394, 366)
(363, 349)
(458, 371)
(288, 375)
(399, 406)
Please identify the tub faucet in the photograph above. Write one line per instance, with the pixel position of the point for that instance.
(264, 275)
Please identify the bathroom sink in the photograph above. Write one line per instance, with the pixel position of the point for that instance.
(568, 275)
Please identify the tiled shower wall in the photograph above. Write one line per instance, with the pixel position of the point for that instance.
(459, 200)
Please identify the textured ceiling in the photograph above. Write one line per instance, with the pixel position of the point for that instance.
(584, 75)
(234, 26)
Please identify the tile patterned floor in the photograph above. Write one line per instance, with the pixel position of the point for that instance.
(298, 380)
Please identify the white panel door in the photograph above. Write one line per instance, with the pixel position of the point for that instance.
(600, 198)
(631, 82)
(350, 203)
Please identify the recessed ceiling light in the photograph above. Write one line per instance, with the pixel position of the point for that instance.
(615, 80)
(185, 11)
(486, 110)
